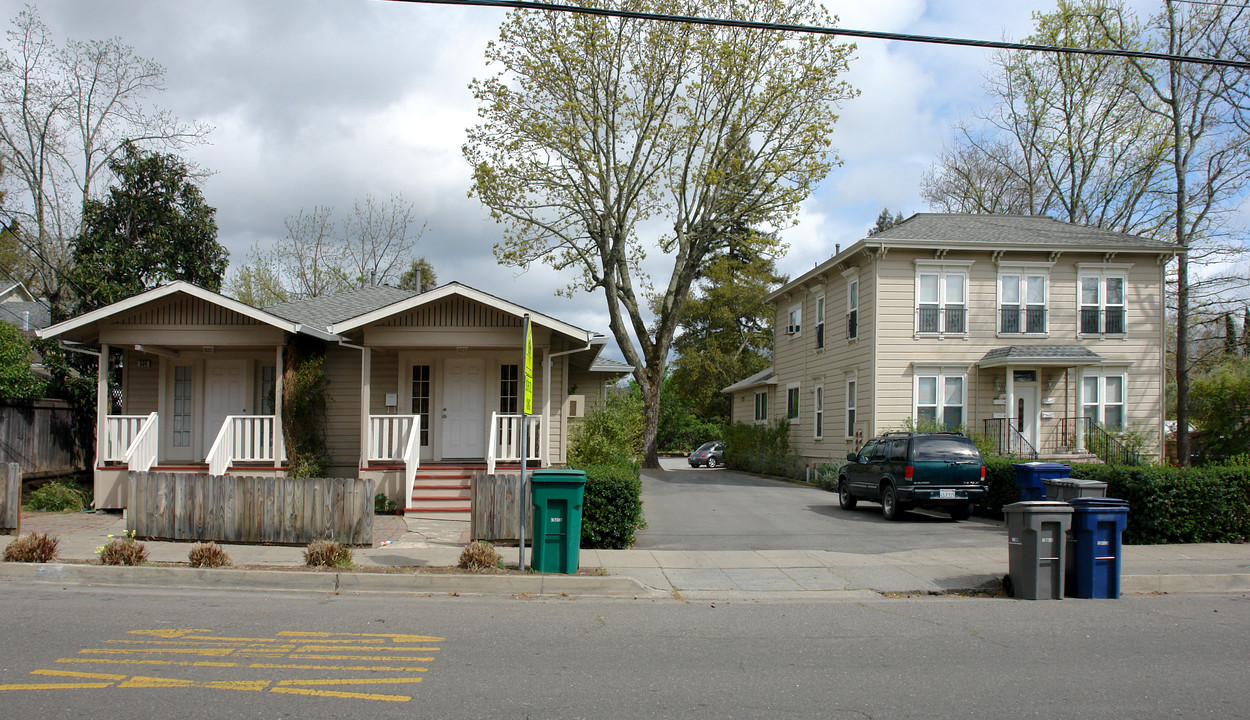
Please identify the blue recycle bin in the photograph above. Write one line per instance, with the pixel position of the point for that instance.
(1031, 477)
(1095, 547)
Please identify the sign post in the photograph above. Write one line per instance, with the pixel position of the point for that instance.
(527, 407)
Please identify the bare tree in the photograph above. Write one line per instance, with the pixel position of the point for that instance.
(64, 113)
(378, 239)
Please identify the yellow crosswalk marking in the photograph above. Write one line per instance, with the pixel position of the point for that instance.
(168, 632)
(340, 694)
(184, 663)
(209, 652)
(139, 681)
(351, 681)
(341, 648)
(55, 686)
(67, 673)
(392, 636)
(378, 668)
(294, 656)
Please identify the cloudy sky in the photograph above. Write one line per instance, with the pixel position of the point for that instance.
(320, 102)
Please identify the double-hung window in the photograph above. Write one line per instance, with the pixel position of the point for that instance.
(792, 402)
(941, 300)
(761, 406)
(939, 398)
(1021, 303)
(850, 407)
(820, 322)
(794, 320)
(1102, 302)
(1102, 398)
(818, 412)
(852, 307)
(509, 389)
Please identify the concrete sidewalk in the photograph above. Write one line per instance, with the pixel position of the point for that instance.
(402, 545)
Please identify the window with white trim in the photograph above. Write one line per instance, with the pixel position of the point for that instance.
(939, 398)
(182, 406)
(761, 406)
(421, 400)
(851, 403)
(852, 307)
(794, 320)
(792, 402)
(941, 301)
(818, 412)
(509, 389)
(1102, 398)
(820, 322)
(1102, 303)
(1022, 303)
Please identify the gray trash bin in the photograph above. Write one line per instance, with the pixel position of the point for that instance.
(1070, 488)
(1037, 533)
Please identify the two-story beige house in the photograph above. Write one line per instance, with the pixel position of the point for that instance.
(1047, 336)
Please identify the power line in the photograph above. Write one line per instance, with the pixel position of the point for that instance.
(845, 32)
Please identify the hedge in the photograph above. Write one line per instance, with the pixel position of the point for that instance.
(612, 507)
(763, 450)
(1166, 504)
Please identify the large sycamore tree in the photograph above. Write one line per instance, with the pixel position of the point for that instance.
(608, 145)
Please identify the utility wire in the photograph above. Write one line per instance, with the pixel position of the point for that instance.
(845, 32)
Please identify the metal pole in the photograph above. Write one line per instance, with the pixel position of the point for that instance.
(524, 494)
(526, 372)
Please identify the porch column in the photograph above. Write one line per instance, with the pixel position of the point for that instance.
(1011, 398)
(279, 442)
(366, 370)
(546, 424)
(102, 404)
(1080, 411)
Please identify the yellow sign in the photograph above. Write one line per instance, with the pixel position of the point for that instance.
(529, 368)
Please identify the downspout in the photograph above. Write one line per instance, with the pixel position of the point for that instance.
(365, 370)
(564, 431)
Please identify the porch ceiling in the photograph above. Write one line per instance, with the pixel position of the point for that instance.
(1050, 355)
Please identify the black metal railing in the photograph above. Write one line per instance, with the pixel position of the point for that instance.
(1022, 319)
(1108, 321)
(933, 319)
(1106, 446)
(1007, 440)
(852, 324)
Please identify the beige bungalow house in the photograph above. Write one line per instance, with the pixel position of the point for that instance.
(1045, 335)
(424, 388)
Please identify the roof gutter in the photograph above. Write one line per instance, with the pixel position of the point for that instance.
(318, 333)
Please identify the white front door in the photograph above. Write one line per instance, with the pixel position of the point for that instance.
(1024, 414)
(464, 426)
(225, 393)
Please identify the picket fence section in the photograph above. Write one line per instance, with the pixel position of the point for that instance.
(496, 508)
(244, 509)
(10, 498)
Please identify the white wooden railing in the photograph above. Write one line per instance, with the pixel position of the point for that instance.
(242, 438)
(122, 430)
(504, 443)
(396, 438)
(141, 455)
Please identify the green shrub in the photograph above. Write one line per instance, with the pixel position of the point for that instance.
(57, 496)
(827, 476)
(610, 434)
(382, 505)
(123, 551)
(763, 450)
(32, 548)
(16, 379)
(612, 507)
(305, 396)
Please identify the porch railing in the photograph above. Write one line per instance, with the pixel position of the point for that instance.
(243, 438)
(141, 455)
(122, 430)
(504, 444)
(1008, 440)
(397, 438)
(1106, 446)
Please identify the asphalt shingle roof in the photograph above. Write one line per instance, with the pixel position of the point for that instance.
(1011, 230)
(322, 312)
(763, 377)
(15, 314)
(1041, 352)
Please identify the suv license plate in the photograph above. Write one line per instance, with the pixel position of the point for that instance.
(946, 494)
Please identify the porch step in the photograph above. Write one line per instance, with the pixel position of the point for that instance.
(1071, 457)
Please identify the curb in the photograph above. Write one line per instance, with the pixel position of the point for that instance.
(325, 581)
(1176, 584)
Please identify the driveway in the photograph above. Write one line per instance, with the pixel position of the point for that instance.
(700, 509)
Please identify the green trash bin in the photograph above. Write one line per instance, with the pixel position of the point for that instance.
(557, 496)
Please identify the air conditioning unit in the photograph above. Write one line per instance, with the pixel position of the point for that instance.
(792, 329)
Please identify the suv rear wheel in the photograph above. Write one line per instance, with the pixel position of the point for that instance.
(889, 503)
(846, 500)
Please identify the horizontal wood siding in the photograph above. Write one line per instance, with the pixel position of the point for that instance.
(384, 379)
(142, 387)
(183, 310)
(454, 312)
(231, 508)
(342, 367)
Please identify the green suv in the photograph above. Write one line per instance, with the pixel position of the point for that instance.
(903, 470)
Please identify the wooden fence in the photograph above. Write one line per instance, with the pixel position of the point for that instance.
(40, 436)
(495, 515)
(10, 498)
(231, 508)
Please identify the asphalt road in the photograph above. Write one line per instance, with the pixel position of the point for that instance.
(105, 653)
(699, 509)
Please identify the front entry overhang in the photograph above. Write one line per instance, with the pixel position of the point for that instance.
(1041, 355)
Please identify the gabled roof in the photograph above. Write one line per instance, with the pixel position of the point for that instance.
(186, 288)
(326, 310)
(961, 231)
(25, 315)
(1066, 355)
(606, 365)
(763, 377)
(15, 292)
(454, 288)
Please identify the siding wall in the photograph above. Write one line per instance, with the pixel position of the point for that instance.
(140, 386)
(342, 367)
